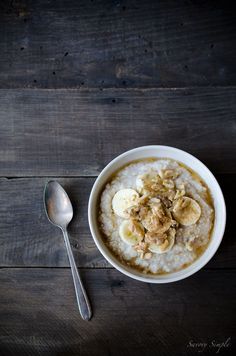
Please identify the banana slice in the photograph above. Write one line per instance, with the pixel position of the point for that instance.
(186, 211)
(145, 180)
(166, 245)
(123, 200)
(131, 232)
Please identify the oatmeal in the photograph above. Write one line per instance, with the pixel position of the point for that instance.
(156, 215)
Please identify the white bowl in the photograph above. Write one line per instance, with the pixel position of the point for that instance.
(188, 160)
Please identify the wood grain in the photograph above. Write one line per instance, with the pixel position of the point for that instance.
(39, 315)
(28, 239)
(81, 82)
(74, 132)
(117, 43)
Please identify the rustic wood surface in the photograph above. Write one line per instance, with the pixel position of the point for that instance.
(130, 318)
(117, 43)
(73, 132)
(81, 81)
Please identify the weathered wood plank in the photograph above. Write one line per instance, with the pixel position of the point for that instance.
(28, 239)
(114, 43)
(39, 315)
(74, 132)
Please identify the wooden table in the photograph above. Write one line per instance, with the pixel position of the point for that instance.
(80, 83)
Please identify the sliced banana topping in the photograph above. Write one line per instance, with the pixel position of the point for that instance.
(131, 232)
(186, 211)
(153, 212)
(164, 243)
(123, 200)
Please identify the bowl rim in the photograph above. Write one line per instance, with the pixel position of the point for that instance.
(169, 277)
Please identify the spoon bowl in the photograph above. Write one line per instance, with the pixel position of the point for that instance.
(57, 204)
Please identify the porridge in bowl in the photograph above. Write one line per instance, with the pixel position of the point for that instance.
(156, 215)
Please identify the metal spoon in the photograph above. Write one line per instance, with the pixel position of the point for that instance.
(60, 212)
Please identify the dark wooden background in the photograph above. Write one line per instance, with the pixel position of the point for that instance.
(81, 82)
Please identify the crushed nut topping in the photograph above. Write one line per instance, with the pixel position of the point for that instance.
(153, 237)
(147, 255)
(158, 210)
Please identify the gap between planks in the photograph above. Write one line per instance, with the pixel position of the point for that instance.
(138, 89)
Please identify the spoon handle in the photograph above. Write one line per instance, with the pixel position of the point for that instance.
(81, 296)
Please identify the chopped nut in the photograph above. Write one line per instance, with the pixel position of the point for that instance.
(170, 195)
(180, 204)
(180, 192)
(153, 237)
(147, 255)
(161, 173)
(156, 187)
(154, 200)
(168, 173)
(143, 212)
(133, 211)
(141, 248)
(168, 183)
